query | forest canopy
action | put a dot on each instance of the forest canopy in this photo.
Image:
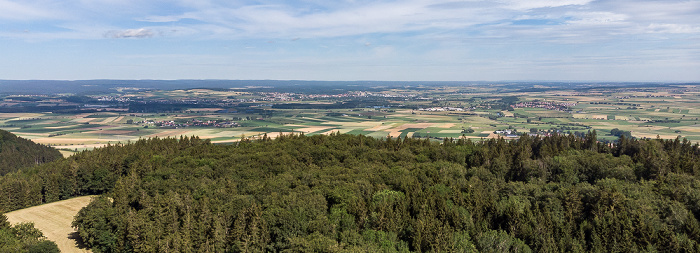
(346, 193)
(17, 152)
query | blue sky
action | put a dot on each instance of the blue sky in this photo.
(574, 40)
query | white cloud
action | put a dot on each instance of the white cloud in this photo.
(672, 28)
(596, 18)
(312, 18)
(404, 34)
(654, 10)
(130, 33)
(22, 11)
(159, 19)
(534, 4)
(376, 17)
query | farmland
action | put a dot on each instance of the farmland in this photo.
(225, 115)
(54, 221)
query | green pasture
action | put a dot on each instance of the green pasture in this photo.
(408, 130)
(377, 134)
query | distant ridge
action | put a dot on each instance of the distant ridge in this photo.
(87, 87)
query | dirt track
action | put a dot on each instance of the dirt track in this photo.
(54, 221)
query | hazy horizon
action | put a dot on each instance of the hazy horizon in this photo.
(360, 80)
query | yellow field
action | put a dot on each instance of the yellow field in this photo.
(380, 127)
(312, 129)
(396, 131)
(54, 220)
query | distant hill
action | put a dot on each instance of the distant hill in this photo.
(17, 152)
(84, 87)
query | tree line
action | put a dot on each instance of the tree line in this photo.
(346, 193)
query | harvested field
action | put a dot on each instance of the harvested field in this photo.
(491, 134)
(65, 153)
(21, 115)
(312, 129)
(74, 141)
(351, 124)
(166, 133)
(689, 129)
(54, 220)
(108, 120)
(418, 125)
(114, 132)
(380, 127)
(82, 120)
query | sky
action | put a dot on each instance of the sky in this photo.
(345, 40)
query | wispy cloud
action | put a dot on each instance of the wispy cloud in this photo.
(351, 18)
(535, 4)
(452, 34)
(14, 10)
(130, 33)
(672, 28)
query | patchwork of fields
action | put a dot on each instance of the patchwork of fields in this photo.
(645, 113)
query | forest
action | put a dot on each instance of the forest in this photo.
(17, 152)
(352, 193)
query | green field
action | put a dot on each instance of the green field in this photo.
(645, 113)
